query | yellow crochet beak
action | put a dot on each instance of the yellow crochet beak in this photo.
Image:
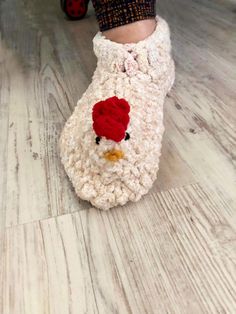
(113, 155)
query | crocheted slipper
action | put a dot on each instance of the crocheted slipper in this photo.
(110, 146)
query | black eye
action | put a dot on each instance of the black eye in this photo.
(98, 139)
(127, 136)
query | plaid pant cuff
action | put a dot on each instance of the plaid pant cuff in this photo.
(111, 14)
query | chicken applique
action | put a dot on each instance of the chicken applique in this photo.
(110, 121)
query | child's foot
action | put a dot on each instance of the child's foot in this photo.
(110, 146)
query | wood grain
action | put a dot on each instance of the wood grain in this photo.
(173, 252)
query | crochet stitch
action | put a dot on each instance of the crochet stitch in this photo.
(114, 170)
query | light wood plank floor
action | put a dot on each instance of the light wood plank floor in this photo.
(172, 252)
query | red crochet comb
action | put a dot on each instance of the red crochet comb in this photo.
(111, 118)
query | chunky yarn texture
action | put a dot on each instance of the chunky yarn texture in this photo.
(103, 171)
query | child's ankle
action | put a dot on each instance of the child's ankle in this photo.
(131, 33)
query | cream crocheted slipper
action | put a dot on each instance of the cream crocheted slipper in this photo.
(110, 146)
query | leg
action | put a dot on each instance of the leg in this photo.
(125, 21)
(110, 146)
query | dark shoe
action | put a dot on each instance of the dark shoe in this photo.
(75, 9)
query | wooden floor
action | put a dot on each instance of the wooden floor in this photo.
(172, 252)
